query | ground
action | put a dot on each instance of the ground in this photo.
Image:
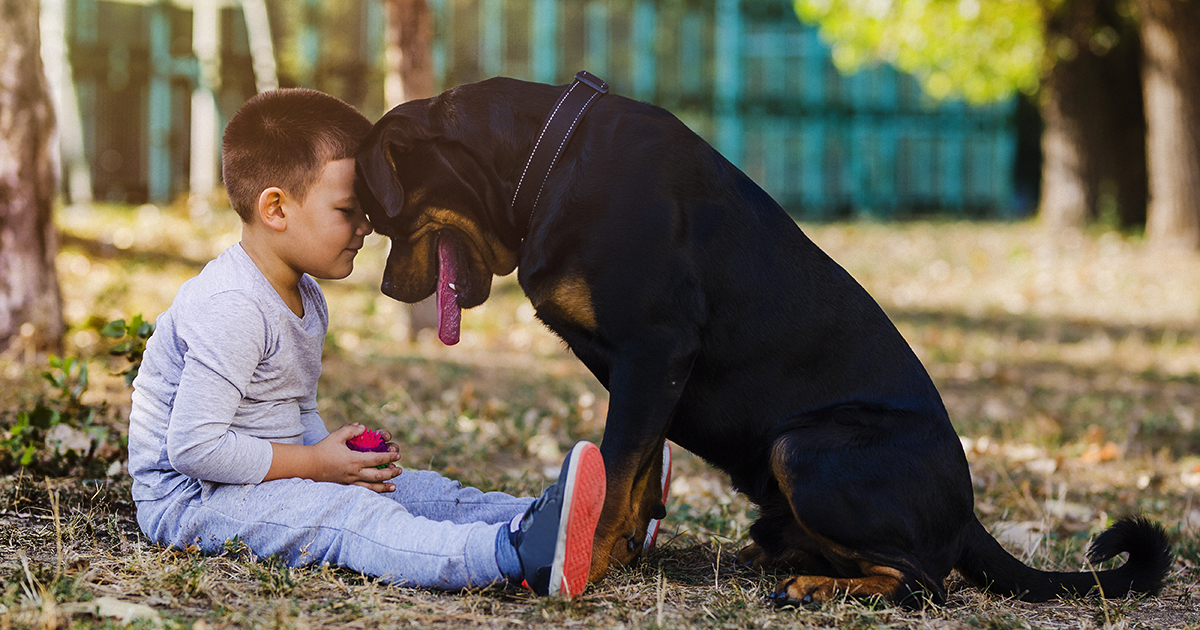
(1070, 364)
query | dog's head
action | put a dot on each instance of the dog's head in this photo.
(435, 193)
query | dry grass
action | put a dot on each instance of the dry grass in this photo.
(1070, 364)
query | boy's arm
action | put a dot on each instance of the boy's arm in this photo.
(331, 460)
(225, 340)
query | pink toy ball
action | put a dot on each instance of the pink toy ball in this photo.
(368, 442)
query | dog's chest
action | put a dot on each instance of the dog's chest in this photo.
(565, 299)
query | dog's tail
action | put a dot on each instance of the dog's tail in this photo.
(987, 565)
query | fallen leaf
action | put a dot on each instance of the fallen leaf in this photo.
(1096, 453)
(124, 612)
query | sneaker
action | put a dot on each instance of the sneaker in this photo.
(652, 529)
(554, 537)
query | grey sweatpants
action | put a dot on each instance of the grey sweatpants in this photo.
(430, 532)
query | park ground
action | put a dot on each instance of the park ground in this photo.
(1070, 364)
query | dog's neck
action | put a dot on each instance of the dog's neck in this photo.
(555, 132)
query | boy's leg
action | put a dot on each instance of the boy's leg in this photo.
(303, 522)
(553, 540)
(428, 494)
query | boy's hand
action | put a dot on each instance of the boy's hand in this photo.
(331, 460)
(353, 467)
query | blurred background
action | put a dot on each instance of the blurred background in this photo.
(154, 82)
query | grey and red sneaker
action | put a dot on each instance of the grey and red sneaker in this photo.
(554, 538)
(652, 529)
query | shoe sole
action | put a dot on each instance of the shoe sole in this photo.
(583, 500)
(652, 528)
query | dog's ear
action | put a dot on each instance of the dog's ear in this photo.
(377, 169)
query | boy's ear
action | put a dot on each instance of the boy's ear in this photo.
(270, 208)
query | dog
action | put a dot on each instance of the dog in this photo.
(713, 321)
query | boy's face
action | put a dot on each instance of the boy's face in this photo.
(329, 226)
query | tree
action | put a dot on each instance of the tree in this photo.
(409, 77)
(410, 51)
(1091, 102)
(980, 49)
(1171, 40)
(1081, 57)
(30, 302)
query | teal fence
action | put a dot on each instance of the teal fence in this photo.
(745, 74)
(135, 72)
(759, 85)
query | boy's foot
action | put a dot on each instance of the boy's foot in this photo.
(652, 529)
(554, 538)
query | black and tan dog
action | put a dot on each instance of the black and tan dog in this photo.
(715, 322)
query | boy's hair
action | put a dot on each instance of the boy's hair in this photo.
(285, 138)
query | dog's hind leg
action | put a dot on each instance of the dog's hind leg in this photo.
(871, 493)
(831, 570)
(780, 543)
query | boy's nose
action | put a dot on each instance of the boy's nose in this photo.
(364, 228)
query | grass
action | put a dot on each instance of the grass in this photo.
(1070, 365)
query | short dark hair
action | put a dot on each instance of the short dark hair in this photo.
(285, 138)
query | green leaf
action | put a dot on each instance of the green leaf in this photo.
(83, 375)
(114, 329)
(27, 456)
(43, 417)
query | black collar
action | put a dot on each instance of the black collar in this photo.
(556, 131)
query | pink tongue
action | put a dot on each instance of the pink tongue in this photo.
(449, 314)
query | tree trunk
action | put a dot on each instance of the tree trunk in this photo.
(409, 77)
(1093, 145)
(1171, 78)
(409, 51)
(30, 302)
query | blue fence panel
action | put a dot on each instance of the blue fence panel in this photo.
(747, 75)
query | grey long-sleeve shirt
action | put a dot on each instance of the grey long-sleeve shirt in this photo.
(228, 370)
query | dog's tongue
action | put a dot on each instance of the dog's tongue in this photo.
(449, 314)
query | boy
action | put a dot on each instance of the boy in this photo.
(224, 436)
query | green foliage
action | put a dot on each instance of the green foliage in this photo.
(68, 376)
(135, 333)
(28, 433)
(982, 50)
(62, 435)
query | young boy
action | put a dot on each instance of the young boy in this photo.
(225, 440)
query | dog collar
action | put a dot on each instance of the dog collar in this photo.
(556, 131)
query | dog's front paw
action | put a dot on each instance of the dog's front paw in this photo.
(626, 551)
(804, 590)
